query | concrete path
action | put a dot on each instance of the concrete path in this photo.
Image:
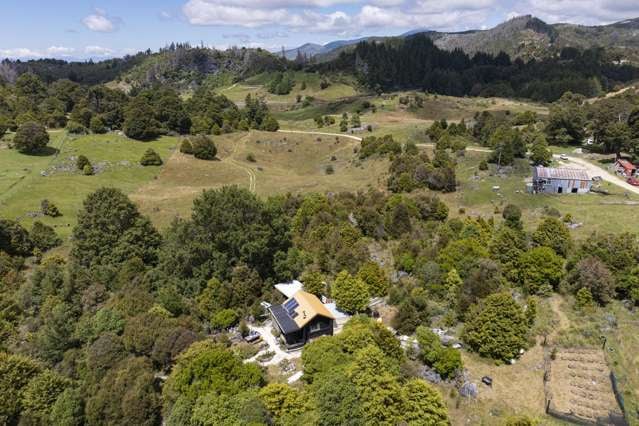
(273, 346)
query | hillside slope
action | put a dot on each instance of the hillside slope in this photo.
(526, 37)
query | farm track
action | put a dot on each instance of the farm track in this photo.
(249, 171)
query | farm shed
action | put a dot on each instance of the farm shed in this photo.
(301, 318)
(560, 181)
(625, 167)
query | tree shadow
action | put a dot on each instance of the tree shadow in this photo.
(47, 151)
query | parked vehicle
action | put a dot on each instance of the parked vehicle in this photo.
(633, 181)
(564, 157)
(488, 381)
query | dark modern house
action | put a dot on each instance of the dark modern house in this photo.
(300, 319)
(560, 181)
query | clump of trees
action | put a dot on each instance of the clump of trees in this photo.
(281, 84)
(445, 361)
(409, 171)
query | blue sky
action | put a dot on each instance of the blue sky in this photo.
(99, 29)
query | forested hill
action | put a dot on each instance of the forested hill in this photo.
(180, 65)
(525, 37)
(416, 63)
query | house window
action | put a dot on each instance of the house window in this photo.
(319, 325)
(574, 190)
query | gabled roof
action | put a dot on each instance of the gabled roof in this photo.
(298, 311)
(284, 321)
(309, 306)
(626, 164)
(561, 173)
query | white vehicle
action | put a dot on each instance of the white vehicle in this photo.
(563, 157)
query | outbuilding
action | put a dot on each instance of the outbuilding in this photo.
(625, 167)
(560, 181)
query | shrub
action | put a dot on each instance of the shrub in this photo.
(87, 170)
(224, 319)
(44, 237)
(4, 126)
(186, 147)
(81, 162)
(75, 128)
(250, 157)
(97, 125)
(49, 209)
(497, 328)
(31, 138)
(446, 361)
(351, 294)
(203, 147)
(329, 169)
(270, 124)
(151, 158)
(483, 165)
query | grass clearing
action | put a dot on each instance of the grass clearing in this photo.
(282, 163)
(22, 186)
(340, 87)
(477, 196)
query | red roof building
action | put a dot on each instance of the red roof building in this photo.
(625, 167)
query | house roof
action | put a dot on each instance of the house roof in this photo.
(289, 289)
(284, 321)
(298, 311)
(309, 306)
(626, 164)
(561, 173)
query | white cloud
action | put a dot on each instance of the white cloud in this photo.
(100, 22)
(312, 16)
(60, 51)
(98, 51)
(589, 12)
(20, 53)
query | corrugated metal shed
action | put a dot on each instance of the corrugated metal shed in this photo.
(552, 173)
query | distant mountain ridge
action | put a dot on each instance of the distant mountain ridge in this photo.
(525, 37)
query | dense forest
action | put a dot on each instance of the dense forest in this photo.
(180, 65)
(416, 63)
(141, 114)
(134, 326)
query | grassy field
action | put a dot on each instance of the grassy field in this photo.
(22, 186)
(596, 212)
(283, 163)
(391, 117)
(340, 87)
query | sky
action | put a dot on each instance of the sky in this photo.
(77, 29)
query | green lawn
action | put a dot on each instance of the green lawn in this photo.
(340, 87)
(22, 186)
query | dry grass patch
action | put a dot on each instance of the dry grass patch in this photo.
(278, 164)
